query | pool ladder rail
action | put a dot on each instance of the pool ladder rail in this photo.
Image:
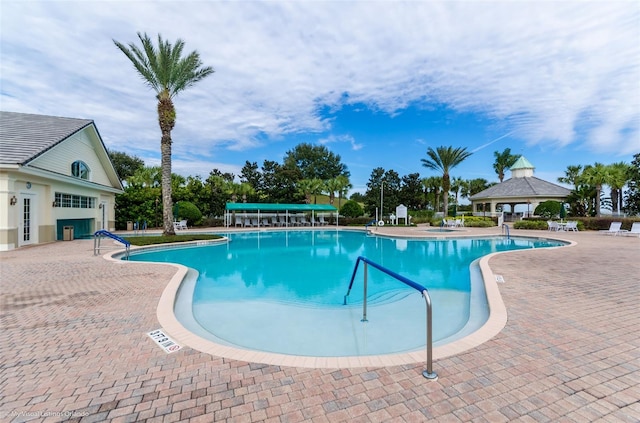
(428, 373)
(505, 228)
(97, 238)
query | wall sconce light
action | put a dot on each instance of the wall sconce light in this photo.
(13, 201)
(55, 204)
(101, 205)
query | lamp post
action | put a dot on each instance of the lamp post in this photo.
(381, 200)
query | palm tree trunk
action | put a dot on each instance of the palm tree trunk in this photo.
(166, 119)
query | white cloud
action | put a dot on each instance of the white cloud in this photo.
(551, 70)
(341, 138)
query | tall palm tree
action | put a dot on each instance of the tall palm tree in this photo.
(167, 72)
(503, 162)
(444, 159)
(343, 188)
(618, 178)
(596, 176)
(456, 185)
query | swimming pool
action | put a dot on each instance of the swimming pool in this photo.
(282, 291)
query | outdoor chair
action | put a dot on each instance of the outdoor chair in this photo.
(552, 226)
(571, 225)
(614, 229)
(635, 230)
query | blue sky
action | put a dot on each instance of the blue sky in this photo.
(375, 82)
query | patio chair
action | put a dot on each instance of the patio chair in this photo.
(255, 222)
(178, 226)
(614, 229)
(322, 221)
(303, 221)
(552, 226)
(274, 221)
(571, 225)
(635, 230)
(265, 222)
(238, 222)
(247, 222)
(282, 221)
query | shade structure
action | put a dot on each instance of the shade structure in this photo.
(260, 208)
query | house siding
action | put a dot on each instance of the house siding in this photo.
(78, 147)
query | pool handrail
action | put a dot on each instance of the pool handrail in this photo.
(504, 225)
(97, 237)
(428, 373)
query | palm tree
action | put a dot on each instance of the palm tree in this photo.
(596, 176)
(618, 178)
(343, 188)
(571, 176)
(444, 159)
(432, 186)
(503, 162)
(457, 185)
(331, 186)
(167, 72)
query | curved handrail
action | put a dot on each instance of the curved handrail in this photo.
(428, 373)
(97, 237)
(504, 225)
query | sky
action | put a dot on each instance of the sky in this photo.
(376, 82)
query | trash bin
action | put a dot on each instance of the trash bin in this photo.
(129, 225)
(67, 233)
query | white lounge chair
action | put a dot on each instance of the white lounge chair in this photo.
(178, 226)
(635, 230)
(322, 221)
(247, 223)
(265, 222)
(614, 229)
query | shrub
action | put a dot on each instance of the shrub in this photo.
(530, 224)
(351, 209)
(548, 209)
(189, 211)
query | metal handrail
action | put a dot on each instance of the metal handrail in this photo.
(504, 225)
(428, 373)
(97, 237)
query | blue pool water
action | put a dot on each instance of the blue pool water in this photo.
(282, 291)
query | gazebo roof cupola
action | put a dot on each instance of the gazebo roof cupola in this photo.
(522, 168)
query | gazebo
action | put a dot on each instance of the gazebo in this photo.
(521, 188)
(283, 212)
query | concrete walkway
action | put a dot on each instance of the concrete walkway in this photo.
(74, 347)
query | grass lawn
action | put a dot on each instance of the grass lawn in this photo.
(152, 240)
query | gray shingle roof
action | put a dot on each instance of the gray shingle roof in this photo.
(24, 137)
(523, 187)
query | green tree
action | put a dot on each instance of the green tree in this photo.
(444, 159)
(124, 164)
(432, 188)
(343, 187)
(503, 162)
(548, 209)
(315, 162)
(351, 209)
(632, 198)
(596, 176)
(167, 72)
(456, 187)
(618, 178)
(251, 175)
(411, 192)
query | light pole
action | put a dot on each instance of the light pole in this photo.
(381, 200)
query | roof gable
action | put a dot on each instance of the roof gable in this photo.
(523, 187)
(24, 137)
(51, 144)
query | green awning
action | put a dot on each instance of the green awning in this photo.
(272, 207)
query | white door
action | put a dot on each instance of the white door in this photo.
(27, 226)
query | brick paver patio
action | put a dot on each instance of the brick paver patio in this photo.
(75, 348)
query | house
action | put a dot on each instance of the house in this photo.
(56, 180)
(522, 188)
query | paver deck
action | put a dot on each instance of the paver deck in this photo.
(75, 348)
